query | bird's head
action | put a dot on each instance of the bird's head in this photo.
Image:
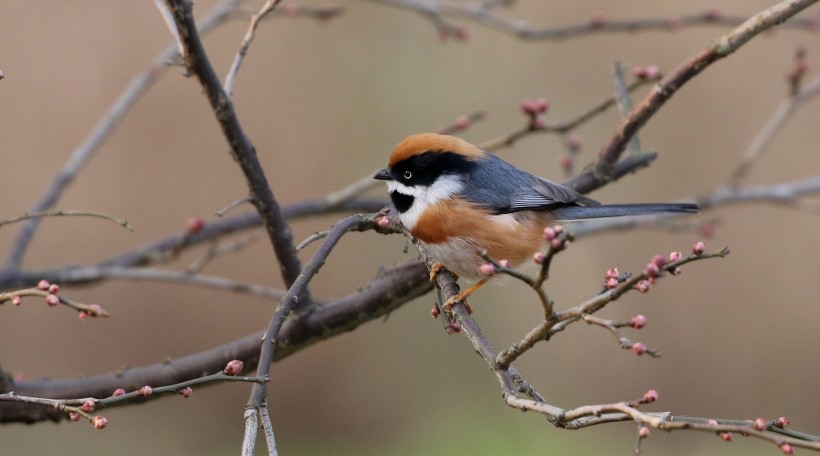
(426, 169)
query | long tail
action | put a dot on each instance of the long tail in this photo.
(620, 210)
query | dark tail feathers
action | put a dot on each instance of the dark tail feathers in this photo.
(620, 210)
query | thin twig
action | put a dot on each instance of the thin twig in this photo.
(102, 215)
(481, 13)
(105, 126)
(271, 338)
(266, 9)
(770, 129)
(669, 85)
(243, 150)
(390, 289)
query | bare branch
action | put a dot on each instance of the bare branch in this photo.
(243, 150)
(104, 128)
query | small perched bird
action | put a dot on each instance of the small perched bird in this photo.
(459, 200)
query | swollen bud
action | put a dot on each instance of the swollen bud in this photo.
(234, 367)
(638, 321)
(99, 422)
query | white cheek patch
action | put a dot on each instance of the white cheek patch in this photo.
(424, 197)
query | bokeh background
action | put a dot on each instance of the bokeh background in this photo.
(325, 102)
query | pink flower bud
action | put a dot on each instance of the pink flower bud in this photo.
(659, 261)
(638, 348)
(434, 312)
(612, 272)
(462, 122)
(540, 105)
(383, 222)
(726, 436)
(557, 244)
(643, 432)
(16, 300)
(650, 396)
(194, 225)
(487, 269)
(652, 270)
(43, 285)
(89, 406)
(611, 282)
(707, 229)
(813, 23)
(94, 310)
(461, 33)
(574, 142)
(559, 229)
(786, 449)
(73, 416)
(538, 122)
(642, 286)
(549, 233)
(234, 367)
(539, 257)
(759, 424)
(652, 72)
(698, 248)
(504, 263)
(638, 321)
(598, 19)
(53, 288)
(186, 392)
(782, 422)
(712, 422)
(675, 256)
(454, 328)
(146, 391)
(82, 315)
(100, 422)
(639, 72)
(528, 107)
(712, 14)
(118, 392)
(676, 271)
(52, 300)
(567, 162)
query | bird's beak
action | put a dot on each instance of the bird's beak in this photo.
(383, 174)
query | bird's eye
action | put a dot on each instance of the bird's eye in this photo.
(408, 175)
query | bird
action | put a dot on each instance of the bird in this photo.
(463, 203)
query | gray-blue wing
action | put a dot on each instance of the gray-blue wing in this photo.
(503, 188)
(544, 194)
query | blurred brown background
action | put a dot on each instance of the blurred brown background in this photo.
(325, 103)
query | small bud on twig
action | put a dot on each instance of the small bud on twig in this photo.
(100, 422)
(234, 367)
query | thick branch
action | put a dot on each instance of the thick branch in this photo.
(242, 149)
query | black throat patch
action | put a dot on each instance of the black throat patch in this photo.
(401, 201)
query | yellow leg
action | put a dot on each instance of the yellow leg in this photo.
(434, 271)
(462, 297)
